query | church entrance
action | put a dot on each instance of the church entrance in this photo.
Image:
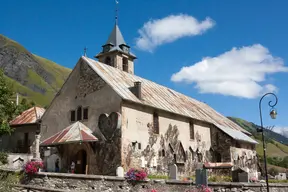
(81, 162)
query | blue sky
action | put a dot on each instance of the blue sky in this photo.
(198, 34)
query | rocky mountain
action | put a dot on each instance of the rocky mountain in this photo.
(32, 76)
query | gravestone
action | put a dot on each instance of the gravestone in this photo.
(281, 176)
(120, 172)
(201, 177)
(143, 162)
(240, 175)
(173, 172)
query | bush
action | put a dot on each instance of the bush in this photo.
(136, 175)
(7, 180)
(158, 177)
(219, 178)
(3, 158)
(273, 171)
(33, 167)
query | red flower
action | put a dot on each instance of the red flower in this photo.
(32, 167)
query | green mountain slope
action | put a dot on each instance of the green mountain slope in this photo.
(277, 148)
(252, 128)
(32, 76)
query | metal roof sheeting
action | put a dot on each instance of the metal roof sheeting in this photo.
(158, 96)
(29, 116)
(237, 135)
(73, 133)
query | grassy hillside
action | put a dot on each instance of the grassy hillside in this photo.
(252, 128)
(277, 148)
(32, 76)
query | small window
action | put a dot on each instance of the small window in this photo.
(108, 60)
(156, 123)
(125, 64)
(79, 113)
(139, 145)
(72, 115)
(85, 113)
(163, 153)
(191, 130)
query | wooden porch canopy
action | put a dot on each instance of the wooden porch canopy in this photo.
(75, 133)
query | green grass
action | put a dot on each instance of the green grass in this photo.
(272, 150)
(59, 73)
(48, 89)
(275, 147)
(12, 43)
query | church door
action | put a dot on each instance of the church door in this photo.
(81, 162)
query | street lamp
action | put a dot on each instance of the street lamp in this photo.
(273, 115)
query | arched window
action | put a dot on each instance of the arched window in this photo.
(125, 64)
(79, 113)
(108, 60)
(163, 153)
(156, 123)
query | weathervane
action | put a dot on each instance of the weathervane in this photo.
(85, 51)
(116, 12)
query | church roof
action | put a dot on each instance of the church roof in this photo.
(29, 116)
(239, 136)
(116, 37)
(74, 133)
(158, 96)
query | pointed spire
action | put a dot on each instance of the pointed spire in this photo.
(116, 37)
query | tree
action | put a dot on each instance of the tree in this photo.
(8, 108)
(24, 105)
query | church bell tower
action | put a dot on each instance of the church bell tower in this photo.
(116, 52)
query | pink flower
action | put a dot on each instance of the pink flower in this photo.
(32, 167)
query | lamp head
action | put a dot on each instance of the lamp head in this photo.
(273, 113)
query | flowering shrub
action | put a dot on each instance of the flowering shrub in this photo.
(253, 179)
(136, 175)
(32, 167)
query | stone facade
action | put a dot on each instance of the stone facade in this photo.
(86, 89)
(117, 60)
(141, 147)
(83, 88)
(79, 183)
(21, 139)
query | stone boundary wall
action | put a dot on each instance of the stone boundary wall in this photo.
(98, 183)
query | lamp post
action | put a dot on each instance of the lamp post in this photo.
(273, 115)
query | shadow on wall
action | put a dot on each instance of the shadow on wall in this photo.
(171, 151)
(108, 150)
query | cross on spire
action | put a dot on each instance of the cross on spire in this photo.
(116, 12)
(85, 51)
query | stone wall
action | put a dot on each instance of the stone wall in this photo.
(141, 147)
(83, 88)
(79, 183)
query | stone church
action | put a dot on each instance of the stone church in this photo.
(105, 116)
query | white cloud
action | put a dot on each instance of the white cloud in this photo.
(166, 30)
(239, 72)
(281, 130)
